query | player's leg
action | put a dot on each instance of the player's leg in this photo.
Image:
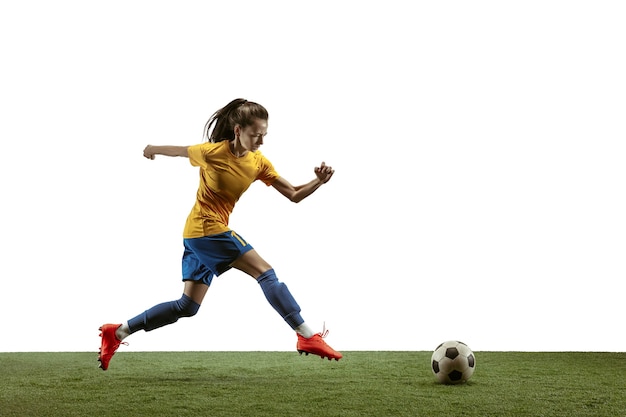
(167, 313)
(197, 278)
(229, 250)
(284, 303)
(158, 316)
(275, 291)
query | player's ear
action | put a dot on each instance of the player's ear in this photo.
(237, 130)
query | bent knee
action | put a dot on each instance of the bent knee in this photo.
(190, 311)
(187, 307)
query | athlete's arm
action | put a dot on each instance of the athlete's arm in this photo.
(151, 151)
(323, 174)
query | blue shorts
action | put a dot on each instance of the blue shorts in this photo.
(209, 256)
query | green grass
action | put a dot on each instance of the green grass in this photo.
(285, 384)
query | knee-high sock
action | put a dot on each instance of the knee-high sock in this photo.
(280, 298)
(163, 314)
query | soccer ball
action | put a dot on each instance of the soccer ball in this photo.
(453, 362)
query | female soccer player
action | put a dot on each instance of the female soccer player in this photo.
(229, 162)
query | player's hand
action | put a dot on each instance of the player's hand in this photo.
(148, 152)
(324, 172)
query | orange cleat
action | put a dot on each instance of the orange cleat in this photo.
(317, 346)
(109, 345)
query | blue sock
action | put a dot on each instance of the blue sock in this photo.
(280, 298)
(163, 314)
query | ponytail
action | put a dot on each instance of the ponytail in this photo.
(238, 112)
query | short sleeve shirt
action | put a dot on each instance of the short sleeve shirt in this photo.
(223, 179)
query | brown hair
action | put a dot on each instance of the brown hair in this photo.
(238, 112)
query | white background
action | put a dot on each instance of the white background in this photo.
(479, 149)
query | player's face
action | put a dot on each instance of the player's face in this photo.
(251, 137)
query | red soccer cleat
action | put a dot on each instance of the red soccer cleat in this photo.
(109, 345)
(317, 346)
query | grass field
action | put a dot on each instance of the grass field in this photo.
(285, 384)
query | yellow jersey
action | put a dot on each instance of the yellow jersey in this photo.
(223, 179)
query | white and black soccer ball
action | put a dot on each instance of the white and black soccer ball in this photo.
(453, 362)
